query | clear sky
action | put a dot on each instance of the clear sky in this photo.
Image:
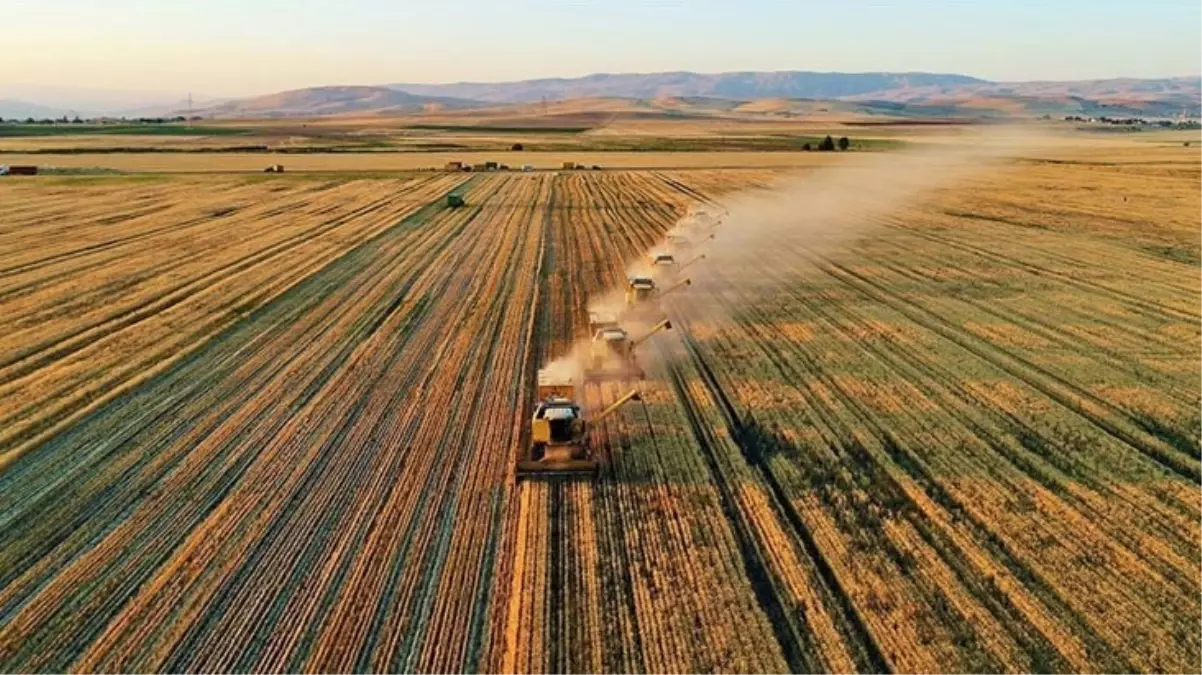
(240, 47)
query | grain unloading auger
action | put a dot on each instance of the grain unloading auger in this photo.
(559, 433)
(612, 355)
(690, 263)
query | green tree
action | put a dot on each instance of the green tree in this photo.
(827, 144)
(844, 143)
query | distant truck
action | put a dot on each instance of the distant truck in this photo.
(18, 170)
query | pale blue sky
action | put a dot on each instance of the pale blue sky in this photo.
(237, 47)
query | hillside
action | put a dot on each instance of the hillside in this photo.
(1126, 96)
(17, 109)
(315, 101)
(749, 93)
(739, 86)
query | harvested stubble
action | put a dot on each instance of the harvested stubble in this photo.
(269, 426)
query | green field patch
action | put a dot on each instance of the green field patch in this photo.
(468, 128)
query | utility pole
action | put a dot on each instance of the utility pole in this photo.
(189, 104)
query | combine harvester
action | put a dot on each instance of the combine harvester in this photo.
(706, 216)
(559, 433)
(598, 320)
(663, 262)
(612, 357)
(643, 296)
(666, 265)
(681, 242)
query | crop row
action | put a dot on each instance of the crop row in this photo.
(981, 503)
(104, 305)
(319, 486)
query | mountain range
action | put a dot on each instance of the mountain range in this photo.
(738, 86)
(919, 94)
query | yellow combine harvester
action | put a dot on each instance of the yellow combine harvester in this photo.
(601, 320)
(663, 262)
(642, 293)
(559, 443)
(682, 241)
(611, 354)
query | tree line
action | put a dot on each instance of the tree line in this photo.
(829, 144)
(100, 120)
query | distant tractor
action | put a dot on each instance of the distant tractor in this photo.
(490, 166)
(454, 166)
(455, 200)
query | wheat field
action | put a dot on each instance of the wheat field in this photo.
(268, 423)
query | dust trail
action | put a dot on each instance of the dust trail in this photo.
(755, 249)
(826, 211)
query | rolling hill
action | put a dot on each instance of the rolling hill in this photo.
(317, 101)
(738, 86)
(18, 109)
(786, 93)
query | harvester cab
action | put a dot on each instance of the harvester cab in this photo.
(639, 290)
(455, 200)
(559, 433)
(612, 355)
(664, 266)
(663, 261)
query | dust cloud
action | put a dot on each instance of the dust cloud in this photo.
(768, 236)
(761, 239)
